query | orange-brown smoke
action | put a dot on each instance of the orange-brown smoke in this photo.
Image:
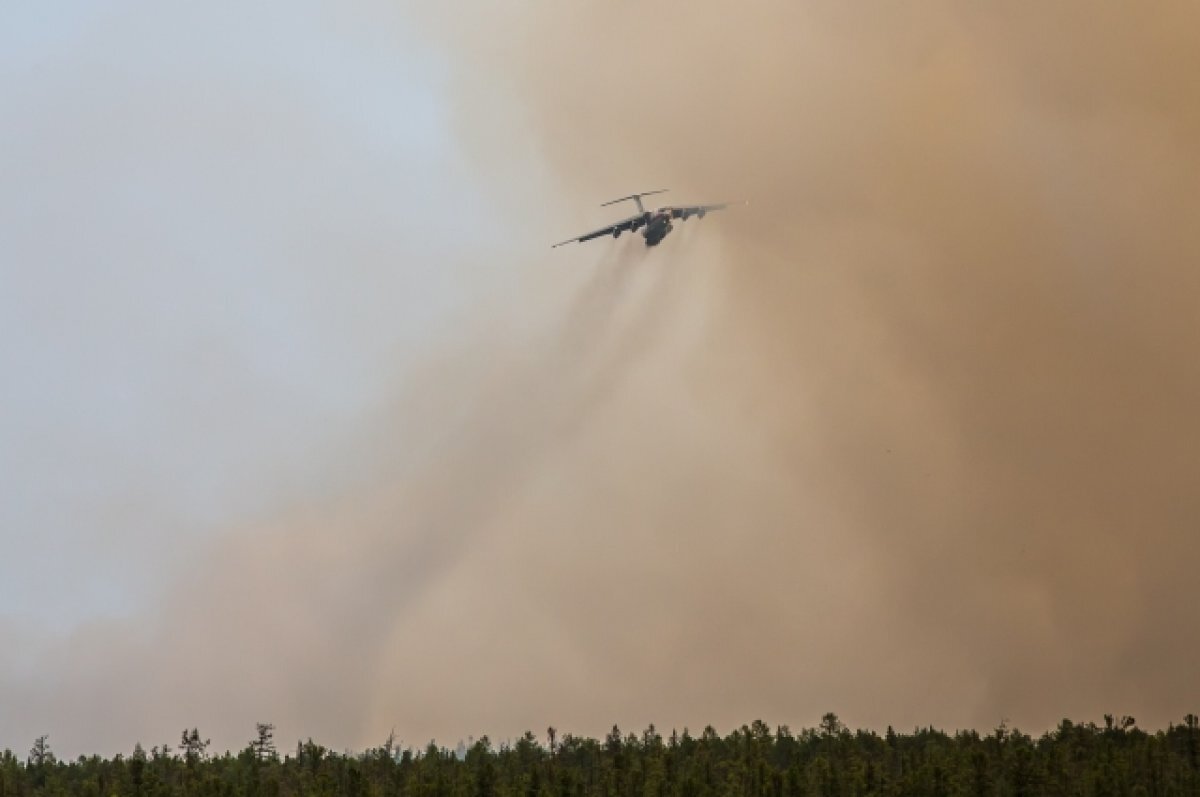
(931, 454)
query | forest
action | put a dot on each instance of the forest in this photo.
(830, 760)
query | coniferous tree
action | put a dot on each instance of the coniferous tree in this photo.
(41, 758)
(264, 745)
(137, 769)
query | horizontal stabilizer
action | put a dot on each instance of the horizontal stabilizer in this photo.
(635, 196)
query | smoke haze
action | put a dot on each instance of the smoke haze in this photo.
(911, 438)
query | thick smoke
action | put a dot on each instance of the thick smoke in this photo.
(910, 438)
(932, 453)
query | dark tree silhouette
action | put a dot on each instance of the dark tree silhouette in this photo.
(1084, 759)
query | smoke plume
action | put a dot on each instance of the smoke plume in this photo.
(911, 437)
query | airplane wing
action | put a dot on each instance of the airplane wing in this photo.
(699, 210)
(617, 228)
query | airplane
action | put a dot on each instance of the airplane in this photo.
(654, 224)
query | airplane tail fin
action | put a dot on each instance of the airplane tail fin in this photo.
(636, 198)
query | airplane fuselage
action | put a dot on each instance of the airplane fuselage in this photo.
(657, 226)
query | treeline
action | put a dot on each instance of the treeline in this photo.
(1116, 758)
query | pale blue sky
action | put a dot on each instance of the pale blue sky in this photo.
(220, 227)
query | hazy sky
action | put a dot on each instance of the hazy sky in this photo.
(216, 246)
(303, 421)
